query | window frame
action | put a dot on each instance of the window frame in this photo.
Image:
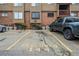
(74, 14)
(60, 20)
(52, 14)
(4, 13)
(18, 15)
(35, 4)
(38, 17)
(18, 4)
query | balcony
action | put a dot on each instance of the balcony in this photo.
(64, 12)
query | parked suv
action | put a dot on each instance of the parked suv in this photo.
(2, 28)
(69, 26)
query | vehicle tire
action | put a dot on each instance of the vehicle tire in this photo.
(3, 29)
(68, 34)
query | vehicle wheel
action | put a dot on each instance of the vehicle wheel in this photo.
(68, 34)
(3, 29)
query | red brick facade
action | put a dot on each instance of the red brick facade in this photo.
(7, 20)
(27, 19)
(27, 9)
(47, 20)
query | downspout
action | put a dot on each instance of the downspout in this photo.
(24, 17)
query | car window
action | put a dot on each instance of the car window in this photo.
(60, 20)
(68, 20)
(72, 20)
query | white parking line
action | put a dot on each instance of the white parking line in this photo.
(60, 42)
(46, 49)
(18, 40)
(37, 49)
(30, 49)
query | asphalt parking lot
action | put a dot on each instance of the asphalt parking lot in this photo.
(72, 44)
(7, 38)
(36, 43)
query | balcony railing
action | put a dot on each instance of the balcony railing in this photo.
(64, 12)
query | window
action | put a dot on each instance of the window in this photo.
(50, 14)
(35, 4)
(63, 7)
(35, 15)
(74, 3)
(49, 3)
(68, 20)
(1, 3)
(60, 20)
(18, 4)
(18, 15)
(4, 14)
(72, 20)
(73, 14)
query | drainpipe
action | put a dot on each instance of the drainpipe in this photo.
(43, 26)
(41, 14)
(30, 17)
(24, 16)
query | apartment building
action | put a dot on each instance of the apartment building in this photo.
(30, 14)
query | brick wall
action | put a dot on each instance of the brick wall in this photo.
(10, 15)
(27, 19)
(47, 20)
(8, 20)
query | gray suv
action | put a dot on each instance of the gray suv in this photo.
(2, 28)
(69, 26)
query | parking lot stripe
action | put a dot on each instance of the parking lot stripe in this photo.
(37, 49)
(18, 40)
(30, 49)
(60, 42)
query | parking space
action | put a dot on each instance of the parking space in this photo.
(72, 44)
(31, 42)
(9, 37)
(36, 42)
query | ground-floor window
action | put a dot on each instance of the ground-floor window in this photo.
(35, 4)
(18, 4)
(74, 14)
(18, 15)
(35, 15)
(4, 14)
(50, 14)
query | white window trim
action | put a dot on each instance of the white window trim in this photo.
(35, 4)
(18, 4)
(49, 3)
(18, 15)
